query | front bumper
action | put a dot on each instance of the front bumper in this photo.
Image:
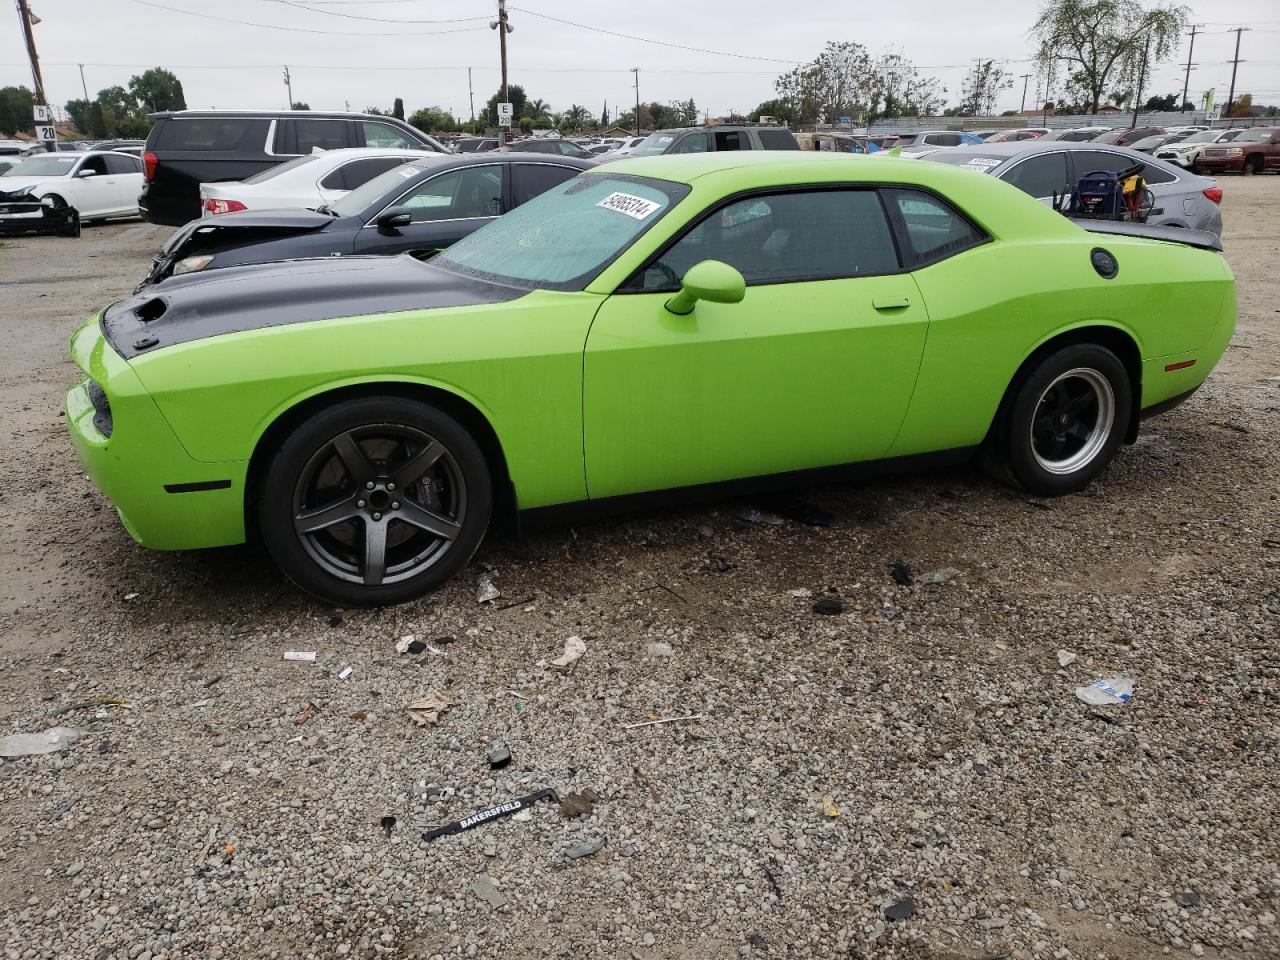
(166, 499)
(27, 214)
(1221, 164)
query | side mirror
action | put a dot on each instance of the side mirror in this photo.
(710, 280)
(393, 218)
(87, 173)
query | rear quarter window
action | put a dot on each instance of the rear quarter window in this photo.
(777, 140)
(208, 133)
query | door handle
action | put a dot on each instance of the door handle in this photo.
(891, 303)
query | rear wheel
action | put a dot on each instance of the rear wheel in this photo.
(1063, 423)
(1251, 166)
(375, 501)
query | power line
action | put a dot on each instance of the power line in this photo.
(272, 26)
(355, 16)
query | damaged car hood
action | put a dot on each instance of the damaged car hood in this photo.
(236, 299)
(271, 221)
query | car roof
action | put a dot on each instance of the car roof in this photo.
(1011, 148)
(328, 114)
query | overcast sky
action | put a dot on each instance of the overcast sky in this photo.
(338, 58)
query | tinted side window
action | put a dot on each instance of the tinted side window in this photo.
(731, 140)
(98, 164)
(121, 164)
(461, 194)
(325, 134)
(1086, 161)
(531, 179)
(359, 172)
(933, 229)
(811, 235)
(692, 143)
(777, 140)
(384, 135)
(1040, 176)
(214, 133)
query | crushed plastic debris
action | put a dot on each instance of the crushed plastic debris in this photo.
(306, 656)
(34, 744)
(486, 592)
(1109, 691)
(902, 910)
(585, 849)
(346, 672)
(578, 804)
(490, 813)
(935, 577)
(425, 711)
(499, 755)
(574, 647)
(132, 596)
(402, 645)
(1066, 658)
(307, 714)
(488, 891)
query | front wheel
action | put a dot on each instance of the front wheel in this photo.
(374, 501)
(1065, 420)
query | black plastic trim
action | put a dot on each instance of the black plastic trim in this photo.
(1164, 406)
(840, 473)
(197, 486)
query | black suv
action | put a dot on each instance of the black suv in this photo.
(716, 136)
(189, 147)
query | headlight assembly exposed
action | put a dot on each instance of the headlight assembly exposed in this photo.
(192, 264)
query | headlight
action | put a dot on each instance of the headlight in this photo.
(192, 264)
(1234, 152)
(46, 201)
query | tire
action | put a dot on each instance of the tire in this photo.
(1063, 422)
(1251, 166)
(58, 203)
(356, 469)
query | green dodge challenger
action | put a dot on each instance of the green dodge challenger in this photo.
(653, 325)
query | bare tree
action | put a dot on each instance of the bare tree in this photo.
(1105, 41)
(981, 86)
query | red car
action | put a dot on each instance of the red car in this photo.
(1253, 151)
(1009, 136)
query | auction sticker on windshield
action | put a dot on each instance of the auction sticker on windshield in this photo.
(981, 164)
(638, 208)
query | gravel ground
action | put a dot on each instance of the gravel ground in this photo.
(924, 745)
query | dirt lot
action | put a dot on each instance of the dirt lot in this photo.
(209, 812)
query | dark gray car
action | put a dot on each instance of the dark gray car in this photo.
(1049, 168)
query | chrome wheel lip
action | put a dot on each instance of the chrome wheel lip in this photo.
(1104, 420)
(433, 549)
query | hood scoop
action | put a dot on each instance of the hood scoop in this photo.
(151, 310)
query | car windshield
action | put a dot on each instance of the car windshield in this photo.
(978, 160)
(1203, 136)
(654, 144)
(49, 165)
(563, 238)
(280, 168)
(1256, 135)
(364, 196)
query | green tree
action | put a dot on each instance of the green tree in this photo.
(535, 110)
(900, 90)
(15, 109)
(118, 115)
(299, 105)
(575, 118)
(518, 101)
(78, 111)
(1168, 102)
(1242, 107)
(1101, 42)
(839, 82)
(780, 110)
(982, 84)
(433, 119)
(157, 89)
(397, 109)
(375, 111)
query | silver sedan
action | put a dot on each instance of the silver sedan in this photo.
(1049, 168)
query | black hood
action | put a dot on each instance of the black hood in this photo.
(196, 306)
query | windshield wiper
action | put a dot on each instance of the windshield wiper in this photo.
(324, 208)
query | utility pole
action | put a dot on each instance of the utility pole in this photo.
(1142, 73)
(503, 29)
(1237, 62)
(24, 14)
(1026, 78)
(1186, 83)
(83, 85)
(288, 82)
(636, 71)
(472, 94)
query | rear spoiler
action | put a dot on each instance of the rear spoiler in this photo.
(1201, 239)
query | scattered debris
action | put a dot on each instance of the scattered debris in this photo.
(649, 723)
(574, 647)
(335, 621)
(499, 755)
(307, 656)
(585, 849)
(490, 813)
(795, 509)
(387, 824)
(33, 744)
(579, 804)
(935, 577)
(1109, 691)
(659, 650)
(201, 703)
(425, 711)
(488, 891)
(360, 715)
(346, 672)
(902, 910)
(828, 606)
(1187, 898)
(307, 714)
(829, 808)
(1066, 658)
(757, 516)
(402, 645)
(129, 597)
(901, 573)
(419, 645)
(486, 592)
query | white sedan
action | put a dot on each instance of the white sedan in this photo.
(306, 182)
(98, 184)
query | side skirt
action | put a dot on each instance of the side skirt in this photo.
(563, 513)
